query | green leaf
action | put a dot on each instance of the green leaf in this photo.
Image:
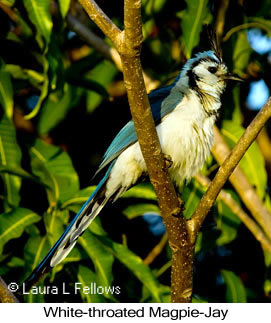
(153, 6)
(100, 257)
(227, 222)
(135, 264)
(87, 277)
(10, 154)
(193, 18)
(39, 14)
(54, 224)
(35, 250)
(12, 224)
(164, 291)
(237, 116)
(8, 3)
(54, 168)
(16, 262)
(241, 53)
(191, 195)
(17, 72)
(135, 210)
(64, 6)
(44, 89)
(252, 163)
(78, 199)
(6, 93)
(20, 172)
(141, 191)
(235, 290)
(102, 74)
(56, 108)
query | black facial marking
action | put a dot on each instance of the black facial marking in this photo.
(208, 59)
(192, 78)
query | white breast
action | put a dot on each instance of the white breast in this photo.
(186, 134)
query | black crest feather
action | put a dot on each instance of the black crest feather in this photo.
(211, 34)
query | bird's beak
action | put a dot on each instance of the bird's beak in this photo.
(233, 77)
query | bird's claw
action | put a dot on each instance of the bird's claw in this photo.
(167, 161)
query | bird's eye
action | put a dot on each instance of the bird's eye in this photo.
(212, 69)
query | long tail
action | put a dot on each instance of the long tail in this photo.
(76, 228)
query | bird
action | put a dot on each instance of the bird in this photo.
(184, 113)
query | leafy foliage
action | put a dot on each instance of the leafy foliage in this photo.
(61, 104)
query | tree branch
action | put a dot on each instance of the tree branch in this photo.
(5, 295)
(227, 168)
(102, 21)
(242, 186)
(240, 213)
(128, 46)
(156, 250)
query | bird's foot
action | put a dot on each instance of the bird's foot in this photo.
(167, 161)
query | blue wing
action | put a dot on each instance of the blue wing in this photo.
(127, 135)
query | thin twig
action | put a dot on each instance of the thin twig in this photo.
(156, 250)
(244, 26)
(220, 18)
(102, 47)
(227, 168)
(93, 40)
(245, 190)
(240, 213)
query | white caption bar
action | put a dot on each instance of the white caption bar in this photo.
(136, 312)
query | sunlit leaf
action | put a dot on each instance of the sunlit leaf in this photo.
(6, 93)
(252, 163)
(54, 224)
(35, 250)
(9, 3)
(17, 72)
(12, 224)
(235, 290)
(64, 7)
(44, 89)
(39, 14)
(192, 20)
